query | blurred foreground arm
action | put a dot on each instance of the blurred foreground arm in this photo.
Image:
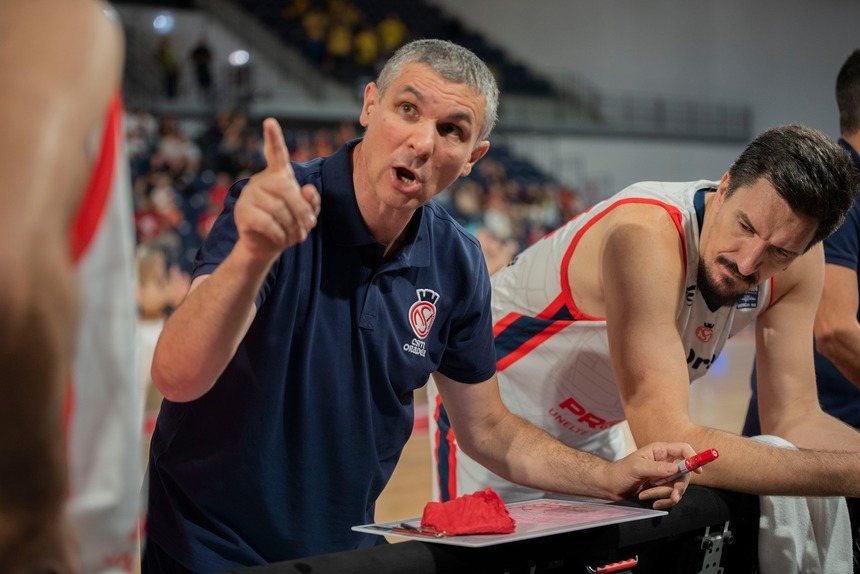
(60, 65)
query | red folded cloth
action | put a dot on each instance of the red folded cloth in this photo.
(483, 512)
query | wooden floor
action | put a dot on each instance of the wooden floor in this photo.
(718, 400)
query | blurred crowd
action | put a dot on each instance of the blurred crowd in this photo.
(182, 172)
(341, 38)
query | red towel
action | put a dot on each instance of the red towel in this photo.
(483, 512)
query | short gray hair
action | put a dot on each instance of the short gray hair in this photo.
(452, 62)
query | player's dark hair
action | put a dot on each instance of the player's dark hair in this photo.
(811, 172)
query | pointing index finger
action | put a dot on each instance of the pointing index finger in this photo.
(274, 149)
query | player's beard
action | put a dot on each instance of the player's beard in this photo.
(723, 293)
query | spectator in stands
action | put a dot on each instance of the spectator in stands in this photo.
(497, 252)
(497, 213)
(338, 47)
(345, 132)
(288, 371)
(147, 219)
(392, 34)
(144, 121)
(168, 66)
(69, 413)
(250, 156)
(366, 52)
(201, 59)
(315, 26)
(322, 143)
(303, 150)
(295, 10)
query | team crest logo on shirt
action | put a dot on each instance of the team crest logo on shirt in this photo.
(749, 300)
(422, 313)
(705, 332)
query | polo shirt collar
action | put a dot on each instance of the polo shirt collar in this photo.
(345, 222)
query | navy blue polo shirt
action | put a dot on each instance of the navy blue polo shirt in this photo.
(837, 395)
(299, 436)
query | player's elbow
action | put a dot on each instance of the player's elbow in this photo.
(671, 428)
(828, 340)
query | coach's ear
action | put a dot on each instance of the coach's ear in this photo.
(371, 93)
(477, 153)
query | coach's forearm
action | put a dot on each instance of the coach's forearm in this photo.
(522, 453)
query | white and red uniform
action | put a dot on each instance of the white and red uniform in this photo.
(105, 405)
(553, 361)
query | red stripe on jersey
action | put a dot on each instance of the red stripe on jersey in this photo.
(551, 309)
(673, 212)
(530, 345)
(503, 323)
(92, 206)
(447, 472)
(772, 282)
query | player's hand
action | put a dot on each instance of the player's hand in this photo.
(273, 212)
(633, 474)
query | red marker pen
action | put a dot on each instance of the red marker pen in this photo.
(690, 464)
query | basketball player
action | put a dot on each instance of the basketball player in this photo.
(613, 315)
(69, 412)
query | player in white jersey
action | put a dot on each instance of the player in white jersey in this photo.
(70, 414)
(105, 400)
(540, 329)
(613, 315)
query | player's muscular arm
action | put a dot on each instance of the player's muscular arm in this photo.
(642, 275)
(650, 367)
(788, 400)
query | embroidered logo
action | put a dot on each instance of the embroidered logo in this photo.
(422, 313)
(749, 300)
(705, 332)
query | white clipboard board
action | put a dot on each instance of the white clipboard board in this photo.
(534, 518)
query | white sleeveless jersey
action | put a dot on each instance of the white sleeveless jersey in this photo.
(104, 415)
(553, 361)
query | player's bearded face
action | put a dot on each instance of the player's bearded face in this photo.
(721, 283)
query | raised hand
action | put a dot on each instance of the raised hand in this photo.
(273, 212)
(634, 474)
